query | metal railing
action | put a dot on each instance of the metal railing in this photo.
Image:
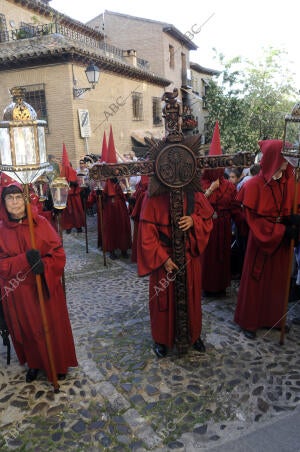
(33, 31)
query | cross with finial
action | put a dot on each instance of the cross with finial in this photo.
(174, 166)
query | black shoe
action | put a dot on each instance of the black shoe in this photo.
(61, 376)
(124, 254)
(68, 231)
(199, 346)
(78, 229)
(113, 255)
(249, 334)
(160, 350)
(31, 375)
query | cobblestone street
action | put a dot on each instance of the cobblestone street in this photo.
(121, 397)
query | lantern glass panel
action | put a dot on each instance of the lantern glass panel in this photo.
(42, 144)
(25, 176)
(59, 197)
(24, 145)
(5, 153)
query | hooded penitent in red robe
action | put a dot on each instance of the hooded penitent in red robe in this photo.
(264, 279)
(140, 191)
(116, 221)
(216, 274)
(20, 298)
(154, 250)
(73, 215)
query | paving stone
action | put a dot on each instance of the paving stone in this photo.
(121, 397)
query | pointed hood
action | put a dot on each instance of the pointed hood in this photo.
(66, 169)
(104, 152)
(215, 146)
(272, 157)
(111, 158)
(112, 154)
(65, 158)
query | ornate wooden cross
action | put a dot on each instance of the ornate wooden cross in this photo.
(174, 166)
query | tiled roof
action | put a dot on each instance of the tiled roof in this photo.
(203, 70)
(56, 47)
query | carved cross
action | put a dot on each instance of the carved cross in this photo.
(174, 166)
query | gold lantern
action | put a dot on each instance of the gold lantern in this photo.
(22, 140)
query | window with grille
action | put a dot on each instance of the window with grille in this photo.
(156, 111)
(137, 106)
(35, 96)
(3, 29)
(205, 83)
(172, 56)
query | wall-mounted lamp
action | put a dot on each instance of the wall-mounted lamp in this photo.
(92, 73)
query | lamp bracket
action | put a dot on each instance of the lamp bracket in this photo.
(78, 91)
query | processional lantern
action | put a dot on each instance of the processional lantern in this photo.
(59, 188)
(41, 187)
(22, 140)
(81, 180)
(23, 157)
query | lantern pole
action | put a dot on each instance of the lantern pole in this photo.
(59, 189)
(58, 216)
(99, 200)
(40, 293)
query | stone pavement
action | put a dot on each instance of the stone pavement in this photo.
(122, 398)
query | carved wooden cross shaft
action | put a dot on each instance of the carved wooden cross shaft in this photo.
(174, 166)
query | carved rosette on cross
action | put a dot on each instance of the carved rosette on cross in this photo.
(174, 166)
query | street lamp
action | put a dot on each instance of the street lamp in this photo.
(92, 73)
(23, 157)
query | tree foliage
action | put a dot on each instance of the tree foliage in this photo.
(250, 100)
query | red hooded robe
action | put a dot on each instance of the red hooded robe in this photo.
(264, 279)
(140, 192)
(73, 215)
(154, 252)
(116, 220)
(20, 298)
(216, 274)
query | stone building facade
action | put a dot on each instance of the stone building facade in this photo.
(47, 53)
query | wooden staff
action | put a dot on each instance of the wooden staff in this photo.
(85, 222)
(41, 295)
(61, 236)
(99, 199)
(290, 265)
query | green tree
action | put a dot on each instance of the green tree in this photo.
(250, 100)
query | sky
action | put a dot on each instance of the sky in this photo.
(232, 27)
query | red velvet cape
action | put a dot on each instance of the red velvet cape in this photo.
(20, 299)
(116, 220)
(216, 273)
(153, 253)
(262, 290)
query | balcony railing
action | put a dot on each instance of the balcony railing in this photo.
(33, 31)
